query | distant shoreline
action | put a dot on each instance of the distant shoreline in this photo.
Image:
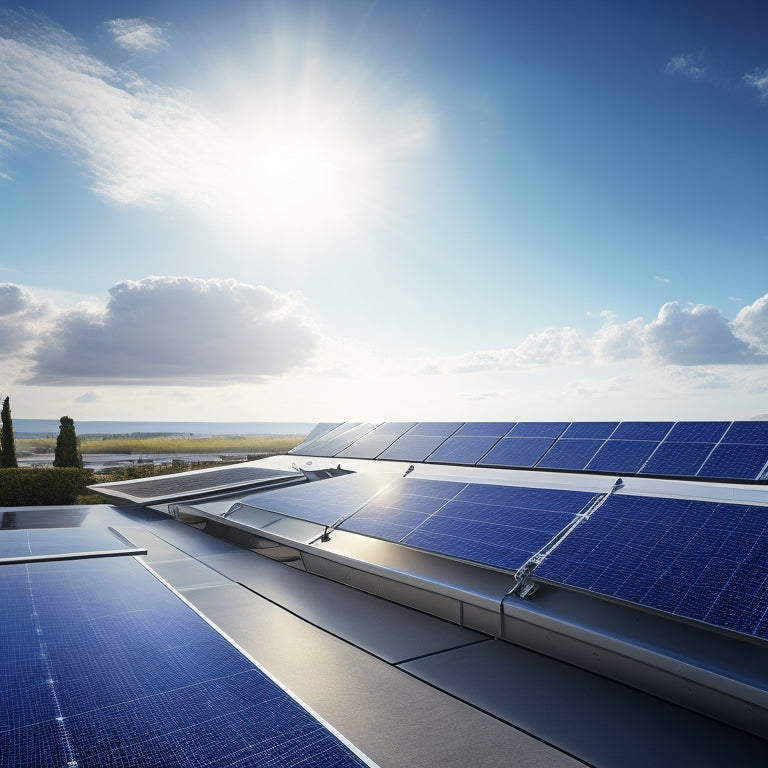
(39, 427)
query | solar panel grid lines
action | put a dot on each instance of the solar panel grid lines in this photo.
(370, 445)
(654, 431)
(460, 449)
(735, 461)
(622, 456)
(593, 430)
(570, 453)
(522, 452)
(701, 561)
(164, 689)
(485, 429)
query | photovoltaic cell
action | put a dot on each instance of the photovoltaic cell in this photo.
(642, 430)
(412, 447)
(699, 560)
(516, 452)
(590, 429)
(317, 431)
(485, 428)
(677, 459)
(749, 432)
(322, 501)
(621, 456)
(57, 541)
(735, 461)
(104, 666)
(538, 429)
(570, 454)
(435, 428)
(335, 440)
(697, 431)
(461, 449)
(376, 441)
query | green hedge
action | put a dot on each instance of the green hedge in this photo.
(43, 486)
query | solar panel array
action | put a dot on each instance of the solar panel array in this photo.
(103, 665)
(714, 450)
(495, 525)
(698, 560)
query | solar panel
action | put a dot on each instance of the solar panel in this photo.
(377, 440)
(412, 447)
(621, 456)
(751, 432)
(516, 452)
(677, 459)
(538, 429)
(435, 428)
(591, 429)
(57, 541)
(500, 526)
(322, 501)
(331, 445)
(735, 461)
(698, 560)
(104, 666)
(697, 431)
(317, 431)
(485, 428)
(642, 430)
(460, 449)
(570, 454)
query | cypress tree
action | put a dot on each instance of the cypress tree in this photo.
(7, 444)
(67, 453)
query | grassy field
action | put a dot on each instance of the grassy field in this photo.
(238, 444)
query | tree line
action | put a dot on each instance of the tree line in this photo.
(67, 453)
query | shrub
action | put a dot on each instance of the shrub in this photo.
(43, 486)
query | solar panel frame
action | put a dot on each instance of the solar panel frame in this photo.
(57, 541)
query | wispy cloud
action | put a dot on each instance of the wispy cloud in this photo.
(302, 159)
(758, 80)
(687, 65)
(137, 35)
(661, 279)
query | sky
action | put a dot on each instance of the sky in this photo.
(368, 211)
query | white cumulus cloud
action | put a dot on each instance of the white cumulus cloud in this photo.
(758, 80)
(687, 65)
(176, 330)
(136, 35)
(22, 318)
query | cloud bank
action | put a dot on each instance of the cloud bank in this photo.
(176, 330)
(680, 335)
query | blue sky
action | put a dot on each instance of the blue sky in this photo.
(351, 210)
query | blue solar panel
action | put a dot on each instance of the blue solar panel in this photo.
(697, 431)
(412, 447)
(501, 526)
(538, 429)
(104, 666)
(330, 445)
(752, 432)
(317, 431)
(462, 450)
(642, 430)
(677, 459)
(486, 428)
(334, 436)
(735, 461)
(591, 429)
(377, 440)
(698, 560)
(435, 428)
(621, 456)
(516, 452)
(322, 501)
(57, 541)
(570, 454)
